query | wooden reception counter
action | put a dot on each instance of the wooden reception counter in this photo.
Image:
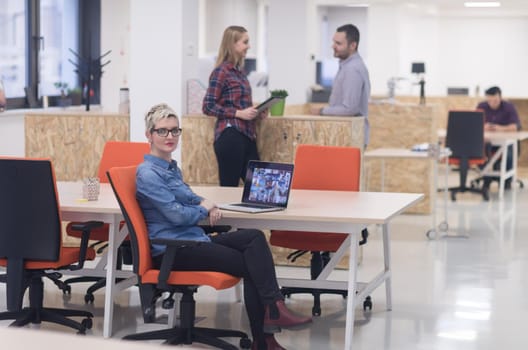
(277, 139)
(401, 125)
(73, 139)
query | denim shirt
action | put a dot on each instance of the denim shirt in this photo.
(171, 209)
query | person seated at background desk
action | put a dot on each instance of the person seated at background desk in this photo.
(172, 210)
(351, 86)
(500, 115)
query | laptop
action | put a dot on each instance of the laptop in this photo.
(266, 188)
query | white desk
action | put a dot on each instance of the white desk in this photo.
(104, 209)
(398, 153)
(503, 139)
(328, 211)
(325, 211)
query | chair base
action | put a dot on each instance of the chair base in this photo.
(316, 308)
(186, 332)
(208, 336)
(60, 316)
(482, 191)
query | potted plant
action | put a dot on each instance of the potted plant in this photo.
(278, 108)
(63, 101)
(76, 96)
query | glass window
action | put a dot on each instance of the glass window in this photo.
(58, 29)
(13, 47)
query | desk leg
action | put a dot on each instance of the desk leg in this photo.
(502, 176)
(514, 163)
(386, 259)
(352, 281)
(110, 277)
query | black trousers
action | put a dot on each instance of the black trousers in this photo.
(233, 152)
(242, 253)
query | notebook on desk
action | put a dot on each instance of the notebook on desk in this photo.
(266, 188)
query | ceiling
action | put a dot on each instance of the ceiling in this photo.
(509, 8)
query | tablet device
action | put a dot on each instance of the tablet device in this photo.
(268, 103)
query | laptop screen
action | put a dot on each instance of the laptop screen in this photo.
(268, 183)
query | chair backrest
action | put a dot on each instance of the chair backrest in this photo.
(465, 134)
(123, 181)
(30, 225)
(119, 154)
(328, 168)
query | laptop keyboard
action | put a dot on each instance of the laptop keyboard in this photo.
(246, 205)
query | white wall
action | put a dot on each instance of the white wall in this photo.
(467, 51)
(291, 66)
(115, 36)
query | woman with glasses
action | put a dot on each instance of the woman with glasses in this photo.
(228, 98)
(172, 210)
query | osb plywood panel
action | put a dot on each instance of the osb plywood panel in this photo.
(522, 109)
(73, 142)
(198, 158)
(402, 126)
(277, 138)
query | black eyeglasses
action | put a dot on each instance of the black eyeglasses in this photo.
(164, 132)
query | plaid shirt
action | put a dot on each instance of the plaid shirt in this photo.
(229, 91)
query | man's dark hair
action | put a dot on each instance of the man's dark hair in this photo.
(494, 90)
(351, 31)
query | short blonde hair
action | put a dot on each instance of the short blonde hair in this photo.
(156, 113)
(226, 52)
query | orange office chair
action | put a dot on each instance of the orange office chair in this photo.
(115, 153)
(320, 168)
(153, 282)
(31, 242)
(465, 139)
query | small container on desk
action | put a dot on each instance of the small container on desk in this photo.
(91, 187)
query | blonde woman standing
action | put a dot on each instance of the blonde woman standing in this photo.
(228, 98)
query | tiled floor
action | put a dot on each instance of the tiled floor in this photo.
(450, 293)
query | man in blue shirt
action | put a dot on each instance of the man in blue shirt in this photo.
(351, 86)
(499, 115)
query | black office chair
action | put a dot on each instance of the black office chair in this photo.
(31, 242)
(465, 139)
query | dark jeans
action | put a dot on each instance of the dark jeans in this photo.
(242, 253)
(233, 152)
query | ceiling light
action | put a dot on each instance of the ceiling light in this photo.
(482, 4)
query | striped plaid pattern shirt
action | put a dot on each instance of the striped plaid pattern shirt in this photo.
(229, 91)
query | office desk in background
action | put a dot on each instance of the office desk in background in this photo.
(437, 156)
(502, 139)
(328, 211)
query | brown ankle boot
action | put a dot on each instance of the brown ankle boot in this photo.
(278, 314)
(271, 343)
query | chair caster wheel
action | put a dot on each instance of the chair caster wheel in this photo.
(245, 343)
(87, 323)
(367, 304)
(168, 304)
(485, 195)
(431, 234)
(66, 290)
(89, 298)
(316, 311)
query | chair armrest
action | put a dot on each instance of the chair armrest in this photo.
(168, 257)
(85, 228)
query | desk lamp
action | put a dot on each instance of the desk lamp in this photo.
(419, 68)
